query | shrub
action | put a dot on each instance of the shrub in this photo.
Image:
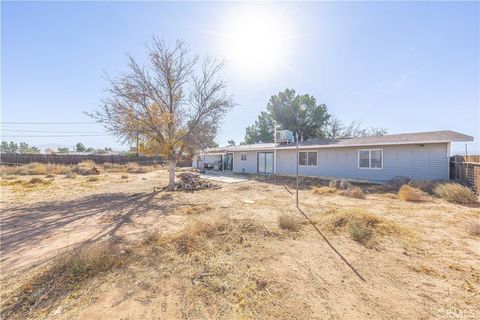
(359, 233)
(124, 176)
(409, 193)
(427, 186)
(324, 190)
(473, 228)
(454, 192)
(288, 222)
(355, 192)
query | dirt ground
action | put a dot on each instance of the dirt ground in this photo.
(265, 273)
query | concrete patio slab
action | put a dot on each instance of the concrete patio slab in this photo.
(224, 178)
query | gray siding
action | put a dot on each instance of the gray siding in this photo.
(428, 162)
(246, 166)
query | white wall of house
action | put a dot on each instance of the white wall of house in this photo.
(245, 166)
(427, 162)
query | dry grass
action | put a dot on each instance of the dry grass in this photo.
(363, 226)
(71, 175)
(288, 222)
(473, 228)
(83, 168)
(354, 192)
(324, 190)
(124, 176)
(60, 277)
(37, 180)
(409, 193)
(454, 192)
(427, 186)
(195, 209)
(35, 169)
(93, 179)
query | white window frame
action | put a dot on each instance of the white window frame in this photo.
(369, 159)
(307, 165)
(241, 156)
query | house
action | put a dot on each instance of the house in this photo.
(420, 156)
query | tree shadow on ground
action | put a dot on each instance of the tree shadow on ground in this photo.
(25, 225)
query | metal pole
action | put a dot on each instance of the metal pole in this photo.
(297, 164)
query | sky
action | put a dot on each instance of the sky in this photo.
(403, 66)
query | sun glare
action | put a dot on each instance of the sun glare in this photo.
(256, 41)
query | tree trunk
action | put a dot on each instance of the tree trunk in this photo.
(171, 174)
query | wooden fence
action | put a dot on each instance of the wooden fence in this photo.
(66, 159)
(466, 169)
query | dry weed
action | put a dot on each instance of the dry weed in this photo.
(324, 190)
(60, 277)
(454, 192)
(363, 226)
(93, 179)
(124, 176)
(196, 209)
(409, 193)
(354, 192)
(288, 222)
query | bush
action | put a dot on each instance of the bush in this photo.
(409, 193)
(454, 192)
(355, 192)
(324, 190)
(427, 186)
(359, 233)
(288, 222)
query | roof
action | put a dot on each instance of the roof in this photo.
(391, 139)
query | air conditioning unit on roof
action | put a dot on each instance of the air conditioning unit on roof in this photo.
(283, 136)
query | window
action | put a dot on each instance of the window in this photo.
(243, 156)
(307, 158)
(370, 159)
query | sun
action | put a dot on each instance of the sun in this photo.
(257, 41)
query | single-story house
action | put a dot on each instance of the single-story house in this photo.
(420, 156)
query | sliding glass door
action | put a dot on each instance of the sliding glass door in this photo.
(265, 162)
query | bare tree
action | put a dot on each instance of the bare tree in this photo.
(172, 104)
(336, 129)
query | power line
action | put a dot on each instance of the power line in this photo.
(46, 131)
(54, 136)
(10, 122)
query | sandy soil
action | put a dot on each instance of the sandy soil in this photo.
(292, 275)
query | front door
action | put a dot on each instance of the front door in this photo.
(228, 162)
(265, 162)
